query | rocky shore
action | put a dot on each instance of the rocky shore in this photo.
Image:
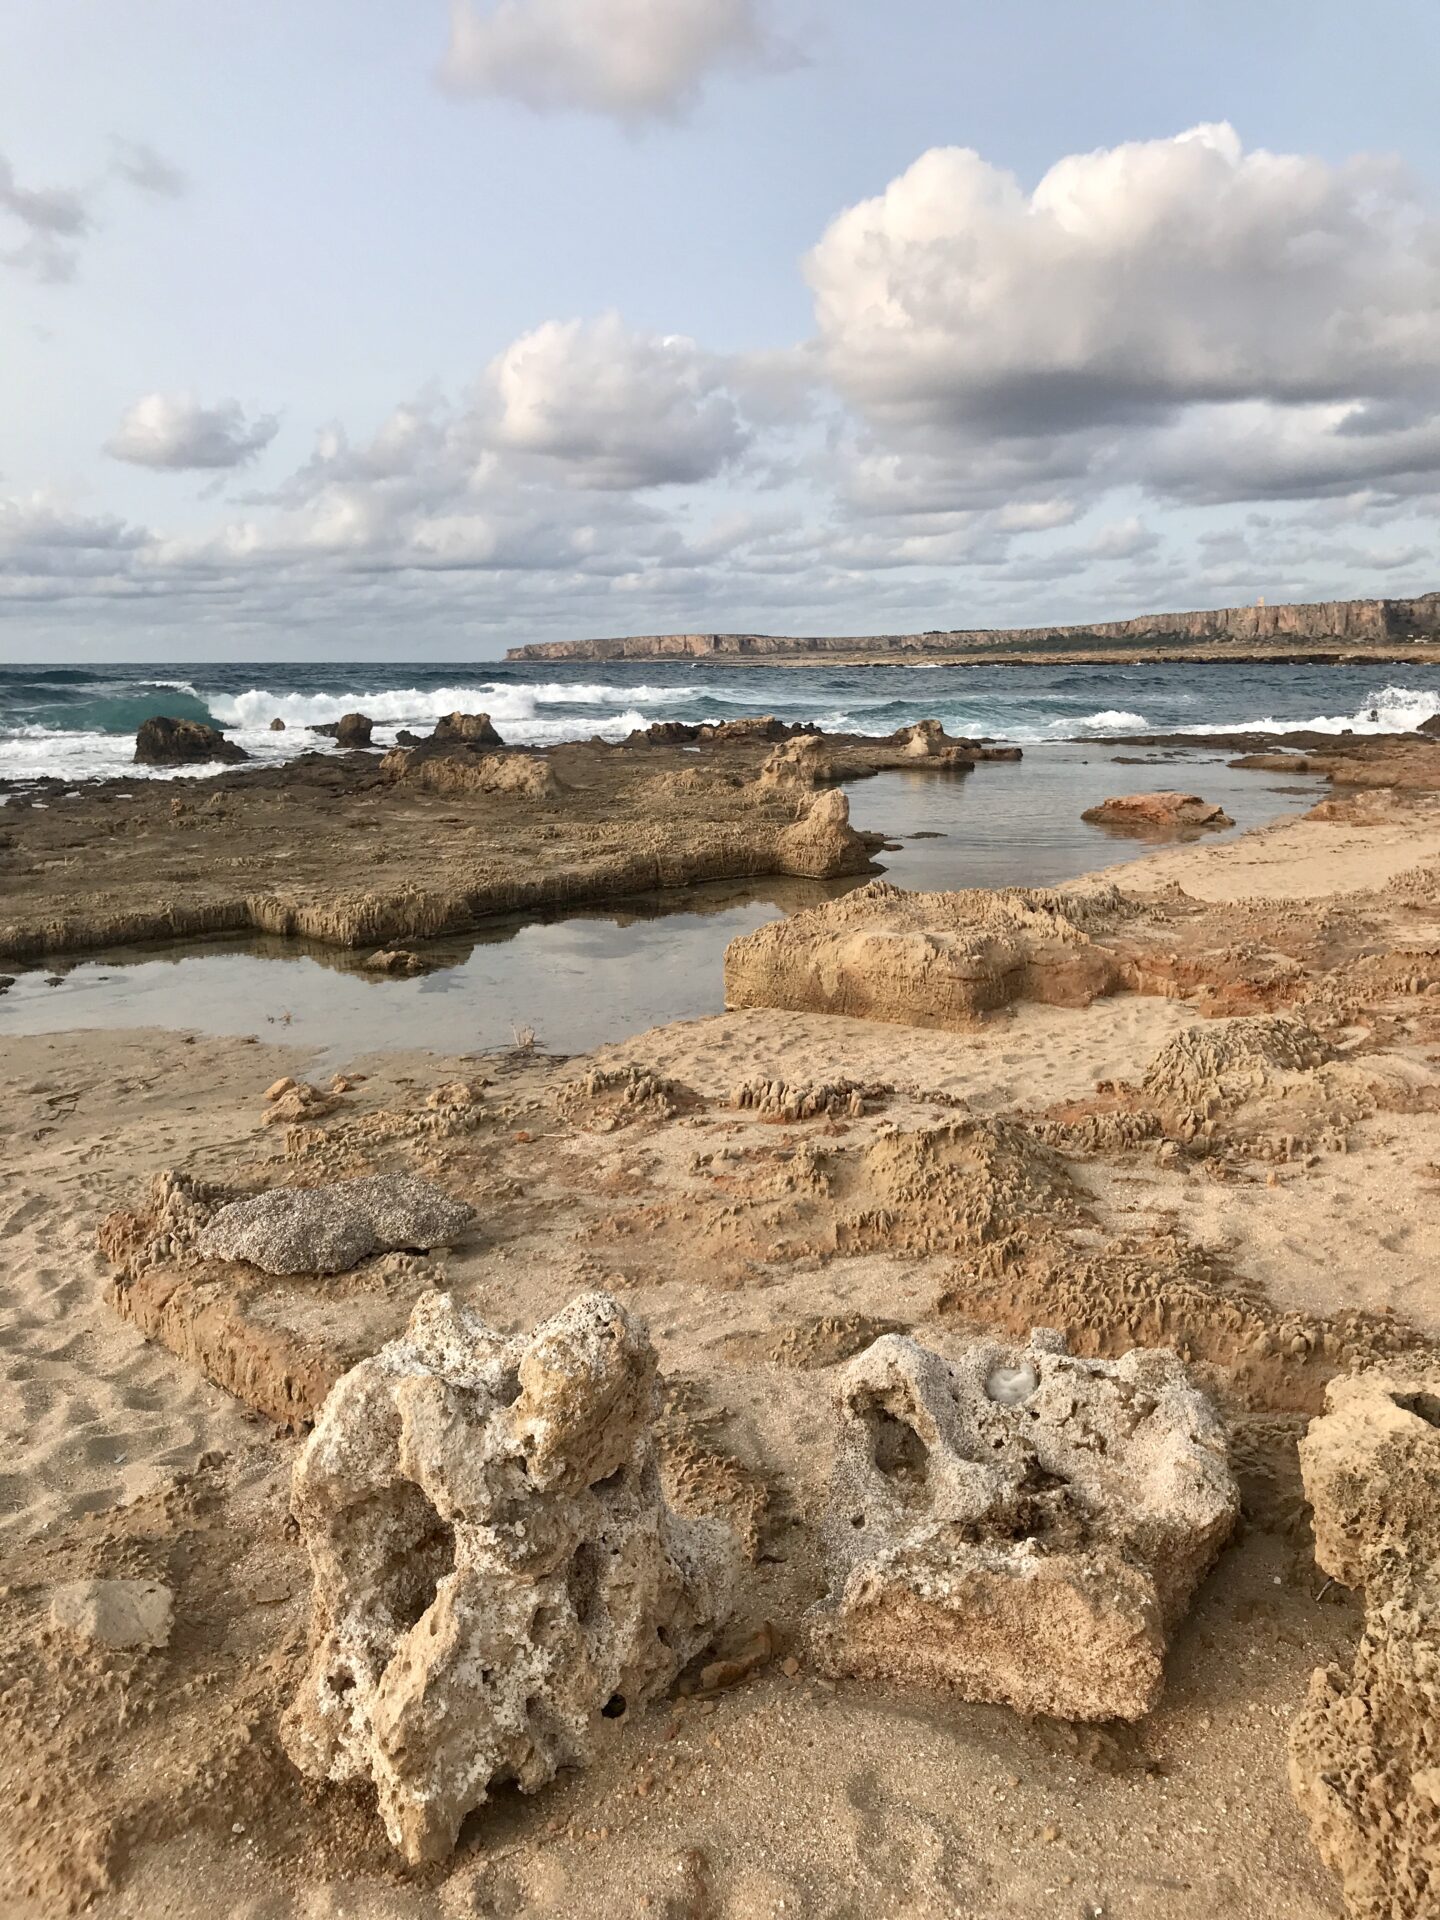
(955, 1431)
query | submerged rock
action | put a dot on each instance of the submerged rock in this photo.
(1365, 1750)
(331, 1229)
(495, 1564)
(1157, 812)
(163, 742)
(116, 1613)
(1020, 1525)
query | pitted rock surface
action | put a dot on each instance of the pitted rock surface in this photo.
(495, 1564)
(1020, 1525)
(331, 1229)
(1365, 1750)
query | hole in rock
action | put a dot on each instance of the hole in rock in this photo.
(423, 1555)
(895, 1447)
(857, 1519)
(1425, 1405)
(614, 1706)
(612, 1482)
(582, 1582)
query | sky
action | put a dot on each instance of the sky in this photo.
(398, 329)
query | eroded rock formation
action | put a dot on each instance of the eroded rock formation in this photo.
(474, 727)
(1365, 1751)
(931, 960)
(495, 1564)
(163, 742)
(1162, 812)
(1019, 1525)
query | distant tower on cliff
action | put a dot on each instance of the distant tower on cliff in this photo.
(1261, 601)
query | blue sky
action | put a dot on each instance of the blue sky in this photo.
(332, 330)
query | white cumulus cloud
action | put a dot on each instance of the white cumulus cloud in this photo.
(958, 313)
(631, 59)
(607, 407)
(177, 433)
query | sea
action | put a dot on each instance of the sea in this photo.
(78, 723)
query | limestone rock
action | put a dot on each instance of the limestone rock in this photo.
(353, 730)
(397, 961)
(277, 725)
(1430, 726)
(461, 770)
(928, 960)
(1020, 1525)
(116, 1613)
(1365, 1750)
(801, 762)
(331, 1229)
(163, 742)
(822, 841)
(495, 1564)
(1163, 812)
(474, 727)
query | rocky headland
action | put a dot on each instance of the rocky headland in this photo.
(1328, 630)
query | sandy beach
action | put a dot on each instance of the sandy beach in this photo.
(1272, 1222)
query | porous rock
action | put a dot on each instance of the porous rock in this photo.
(163, 742)
(822, 841)
(1157, 812)
(1365, 1749)
(801, 762)
(331, 1229)
(495, 1565)
(928, 959)
(115, 1613)
(1018, 1524)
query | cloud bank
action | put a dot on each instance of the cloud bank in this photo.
(1171, 370)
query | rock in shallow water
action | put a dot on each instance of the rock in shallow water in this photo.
(1157, 812)
(495, 1565)
(1020, 1525)
(331, 1229)
(163, 742)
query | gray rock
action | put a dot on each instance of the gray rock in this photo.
(117, 1613)
(331, 1229)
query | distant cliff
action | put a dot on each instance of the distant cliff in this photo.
(1368, 623)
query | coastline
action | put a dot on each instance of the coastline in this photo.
(1091, 1168)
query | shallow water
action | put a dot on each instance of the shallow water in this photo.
(583, 978)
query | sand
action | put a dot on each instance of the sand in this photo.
(152, 1783)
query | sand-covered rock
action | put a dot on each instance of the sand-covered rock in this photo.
(1162, 812)
(495, 1565)
(1365, 1751)
(1018, 1524)
(398, 962)
(163, 742)
(474, 727)
(927, 959)
(331, 1229)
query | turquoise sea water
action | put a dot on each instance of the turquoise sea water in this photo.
(79, 722)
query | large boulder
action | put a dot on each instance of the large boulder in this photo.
(474, 727)
(1163, 812)
(1018, 1524)
(495, 1564)
(1365, 1750)
(331, 1229)
(163, 742)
